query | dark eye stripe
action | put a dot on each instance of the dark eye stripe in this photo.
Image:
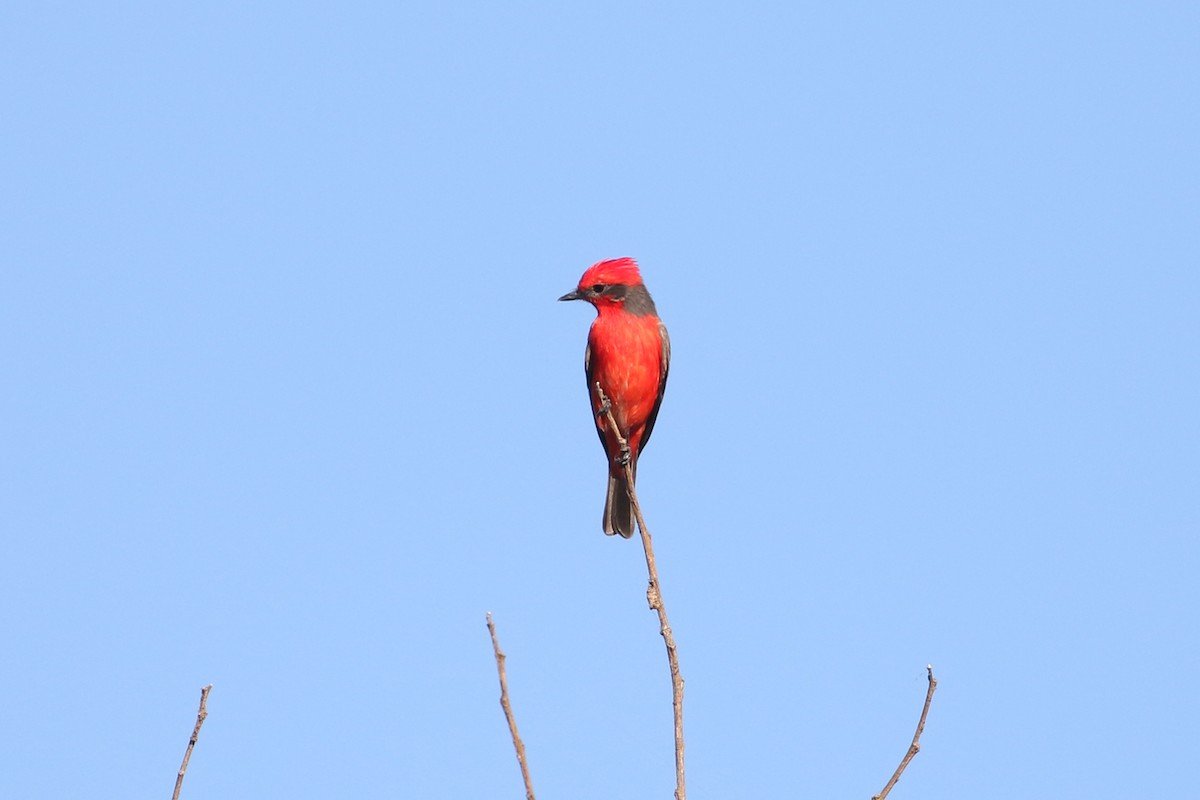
(614, 290)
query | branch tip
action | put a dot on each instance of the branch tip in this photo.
(915, 747)
(201, 715)
(518, 745)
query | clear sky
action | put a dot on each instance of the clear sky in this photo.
(288, 403)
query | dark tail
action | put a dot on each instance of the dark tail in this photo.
(618, 513)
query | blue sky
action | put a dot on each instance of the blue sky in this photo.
(290, 403)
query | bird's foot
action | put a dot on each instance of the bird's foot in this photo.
(623, 456)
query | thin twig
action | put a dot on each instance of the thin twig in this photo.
(915, 747)
(201, 715)
(654, 598)
(508, 714)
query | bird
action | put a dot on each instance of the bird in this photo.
(629, 354)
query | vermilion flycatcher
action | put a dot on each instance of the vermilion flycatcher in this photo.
(628, 353)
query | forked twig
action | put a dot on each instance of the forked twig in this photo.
(654, 598)
(201, 715)
(915, 747)
(508, 714)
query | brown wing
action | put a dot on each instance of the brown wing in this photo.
(662, 384)
(591, 387)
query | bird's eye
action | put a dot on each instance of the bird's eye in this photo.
(598, 288)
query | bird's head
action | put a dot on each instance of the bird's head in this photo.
(613, 285)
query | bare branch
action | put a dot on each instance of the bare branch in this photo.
(915, 747)
(654, 598)
(201, 715)
(508, 714)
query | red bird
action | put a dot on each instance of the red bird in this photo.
(628, 352)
